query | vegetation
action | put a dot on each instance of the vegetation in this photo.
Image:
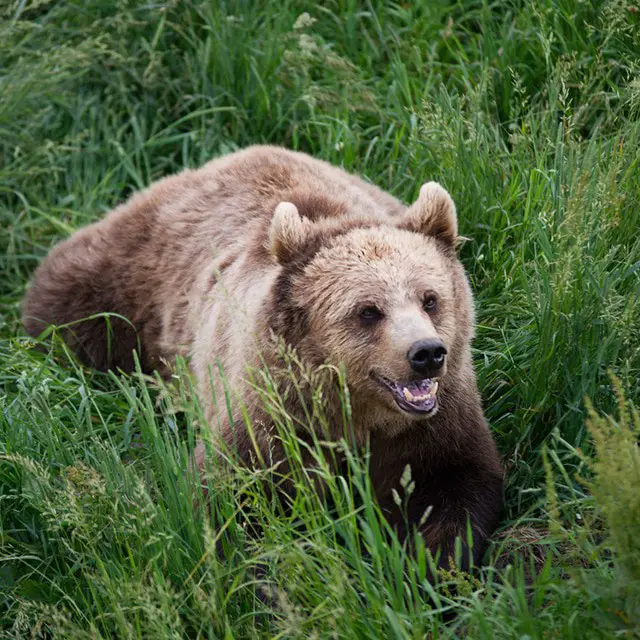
(528, 113)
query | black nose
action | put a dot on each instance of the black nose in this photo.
(427, 356)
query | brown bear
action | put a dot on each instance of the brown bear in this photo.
(266, 245)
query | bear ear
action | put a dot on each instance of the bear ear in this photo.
(287, 232)
(433, 214)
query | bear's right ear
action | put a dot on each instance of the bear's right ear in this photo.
(287, 232)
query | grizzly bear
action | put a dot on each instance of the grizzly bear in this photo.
(267, 245)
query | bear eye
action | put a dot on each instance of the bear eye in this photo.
(430, 302)
(370, 314)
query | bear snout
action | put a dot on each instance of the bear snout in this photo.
(427, 356)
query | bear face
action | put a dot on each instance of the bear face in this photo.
(389, 303)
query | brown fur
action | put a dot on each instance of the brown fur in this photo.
(211, 263)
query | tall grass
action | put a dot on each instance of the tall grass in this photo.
(527, 113)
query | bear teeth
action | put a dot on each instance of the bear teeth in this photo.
(411, 398)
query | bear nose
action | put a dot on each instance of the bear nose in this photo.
(427, 356)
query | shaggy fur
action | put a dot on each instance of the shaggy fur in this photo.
(214, 263)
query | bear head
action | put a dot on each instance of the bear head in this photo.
(388, 301)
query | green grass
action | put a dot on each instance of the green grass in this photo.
(528, 113)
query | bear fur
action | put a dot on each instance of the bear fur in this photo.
(265, 245)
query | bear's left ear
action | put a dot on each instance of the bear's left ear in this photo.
(287, 232)
(433, 214)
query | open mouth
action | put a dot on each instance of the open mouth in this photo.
(417, 396)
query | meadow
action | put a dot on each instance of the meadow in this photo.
(528, 113)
